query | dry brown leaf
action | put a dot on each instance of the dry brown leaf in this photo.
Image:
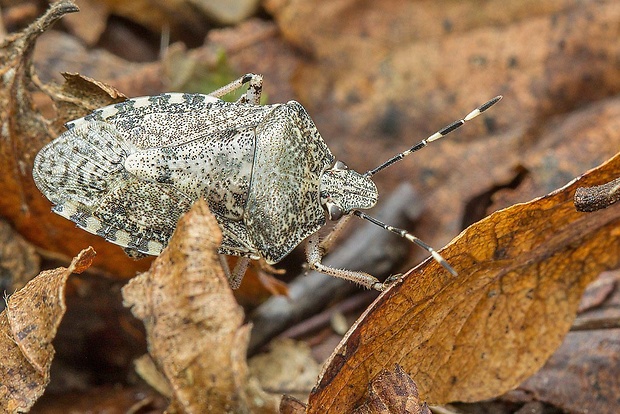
(79, 96)
(18, 260)
(178, 16)
(108, 399)
(186, 18)
(522, 272)
(564, 148)
(372, 57)
(291, 405)
(194, 325)
(582, 375)
(58, 52)
(24, 131)
(27, 327)
(392, 392)
(389, 392)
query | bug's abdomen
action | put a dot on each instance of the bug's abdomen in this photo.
(217, 167)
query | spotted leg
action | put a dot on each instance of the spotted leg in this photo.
(314, 255)
(236, 276)
(252, 95)
(328, 241)
(238, 272)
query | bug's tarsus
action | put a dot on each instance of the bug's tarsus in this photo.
(437, 135)
(406, 235)
(252, 95)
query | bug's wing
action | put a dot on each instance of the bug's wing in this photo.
(82, 174)
(173, 119)
(283, 204)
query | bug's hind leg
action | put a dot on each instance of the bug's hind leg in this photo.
(252, 95)
(238, 272)
(314, 255)
(236, 276)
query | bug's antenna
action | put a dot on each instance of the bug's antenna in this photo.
(439, 134)
(405, 234)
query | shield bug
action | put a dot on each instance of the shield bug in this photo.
(128, 171)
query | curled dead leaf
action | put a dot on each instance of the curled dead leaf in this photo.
(27, 327)
(79, 95)
(392, 392)
(522, 272)
(291, 405)
(18, 116)
(194, 326)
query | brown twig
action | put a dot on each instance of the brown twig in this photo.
(323, 319)
(588, 199)
(591, 324)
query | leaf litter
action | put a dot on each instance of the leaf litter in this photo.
(435, 373)
(522, 272)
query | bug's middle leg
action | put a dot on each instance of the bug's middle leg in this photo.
(252, 95)
(314, 255)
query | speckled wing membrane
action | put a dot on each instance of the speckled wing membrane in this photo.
(84, 171)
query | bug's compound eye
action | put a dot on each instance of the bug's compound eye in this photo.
(333, 211)
(340, 166)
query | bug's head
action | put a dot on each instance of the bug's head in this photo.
(343, 190)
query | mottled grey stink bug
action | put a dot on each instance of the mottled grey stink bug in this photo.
(128, 171)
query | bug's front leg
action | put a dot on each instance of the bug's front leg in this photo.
(314, 255)
(252, 95)
(328, 241)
